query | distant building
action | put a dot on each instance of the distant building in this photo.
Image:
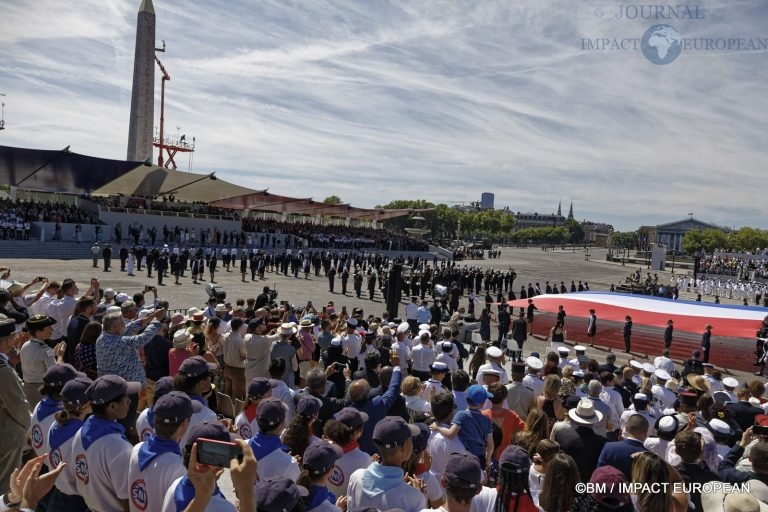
(538, 220)
(671, 234)
(596, 233)
(486, 200)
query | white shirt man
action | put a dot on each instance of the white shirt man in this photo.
(496, 359)
(533, 380)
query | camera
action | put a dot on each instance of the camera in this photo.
(215, 292)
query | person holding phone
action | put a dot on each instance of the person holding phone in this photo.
(197, 489)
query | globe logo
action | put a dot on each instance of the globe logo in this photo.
(661, 44)
(599, 13)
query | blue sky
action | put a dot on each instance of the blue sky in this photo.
(439, 99)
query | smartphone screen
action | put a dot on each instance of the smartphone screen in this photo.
(217, 453)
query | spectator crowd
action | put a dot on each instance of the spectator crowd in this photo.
(120, 403)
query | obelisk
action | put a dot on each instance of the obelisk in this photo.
(143, 92)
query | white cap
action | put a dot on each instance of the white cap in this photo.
(336, 342)
(423, 327)
(122, 297)
(579, 374)
(580, 348)
(109, 292)
(563, 350)
(403, 327)
(113, 309)
(662, 374)
(649, 368)
(730, 382)
(637, 365)
(657, 392)
(719, 427)
(392, 325)
(423, 332)
(491, 371)
(534, 362)
(667, 424)
(494, 352)
(640, 396)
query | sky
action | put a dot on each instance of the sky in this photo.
(375, 100)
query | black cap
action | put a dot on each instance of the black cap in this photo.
(393, 431)
(59, 374)
(278, 494)
(270, 411)
(107, 388)
(174, 407)
(74, 391)
(196, 366)
(258, 387)
(351, 417)
(320, 457)
(463, 469)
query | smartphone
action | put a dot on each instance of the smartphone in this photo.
(339, 366)
(760, 430)
(217, 453)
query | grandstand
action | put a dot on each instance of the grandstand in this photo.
(83, 198)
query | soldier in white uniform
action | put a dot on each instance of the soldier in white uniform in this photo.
(666, 395)
(100, 451)
(727, 395)
(495, 362)
(533, 380)
(563, 353)
(14, 409)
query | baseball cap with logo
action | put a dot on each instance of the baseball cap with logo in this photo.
(107, 388)
(196, 366)
(270, 411)
(174, 407)
(393, 431)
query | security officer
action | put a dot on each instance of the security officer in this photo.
(37, 356)
(14, 408)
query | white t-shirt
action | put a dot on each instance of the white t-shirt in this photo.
(66, 479)
(343, 469)
(440, 448)
(148, 487)
(100, 471)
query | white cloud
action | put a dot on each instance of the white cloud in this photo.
(391, 99)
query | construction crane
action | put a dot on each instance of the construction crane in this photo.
(169, 147)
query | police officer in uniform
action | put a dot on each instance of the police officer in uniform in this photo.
(14, 408)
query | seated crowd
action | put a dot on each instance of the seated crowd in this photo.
(34, 211)
(121, 400)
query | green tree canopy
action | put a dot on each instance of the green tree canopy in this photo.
(333, 200)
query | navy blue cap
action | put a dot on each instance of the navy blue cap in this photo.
(463, 469)
(196, 366)
(308, 406)
(214, 430)
(258, 387)
(514, 459)
(163, 386)
(421, 440)
(393, 431)
(320, 457)
(74, 391)
(351, 417)
(278, 494)
(270, 411)
(107, 388)
(60, 373)
(174, 407)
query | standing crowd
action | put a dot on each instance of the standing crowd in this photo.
(118, 403)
